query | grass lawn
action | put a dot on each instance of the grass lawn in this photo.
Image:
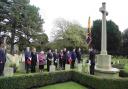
(67, 85)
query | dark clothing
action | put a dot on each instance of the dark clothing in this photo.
(1, 68)
(60, 59)
(33, 62)
(92, 60)
(73, 56)
(41, 67)
(27, 58)
(78, 54)
(49, 60)
(2, 56)
(56, 57)
(69, 59)
(2, 61)
(64, 59)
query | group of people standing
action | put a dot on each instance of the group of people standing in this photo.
(57, 58)
(63, 57)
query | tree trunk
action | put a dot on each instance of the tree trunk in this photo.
(12, 40)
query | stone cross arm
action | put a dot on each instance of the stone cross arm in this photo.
(103, 9)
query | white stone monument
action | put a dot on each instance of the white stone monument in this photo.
(52, 67)
(103, 60)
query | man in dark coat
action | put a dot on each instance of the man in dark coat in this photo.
(78, 53)
(64, 58)
(34, 60)
(49, 59)
(73, 56)
(2, 56)
(56, 58)
(92, 60)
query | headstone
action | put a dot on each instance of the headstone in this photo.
(79, 67)
(8, 71)
(52, 68)
(21, 67)
(67, 67)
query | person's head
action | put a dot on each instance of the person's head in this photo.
(42, 52)
(68, 52)
(33, 49)
(28, 49)
(65, 49)
(49, 50)
(74, 50)
(55, 50)
(61, 50)
(79, 49)
(90, 49)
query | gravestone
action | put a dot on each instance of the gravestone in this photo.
(67, 67)
(8, 71)
(21, 67)
(86, 66)
(79, 67)
(52, 67)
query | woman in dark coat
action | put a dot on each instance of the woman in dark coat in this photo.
(34, 60)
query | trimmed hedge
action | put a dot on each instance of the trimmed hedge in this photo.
(123, 73)
(100, 83)
(34, 80)
(28, 81)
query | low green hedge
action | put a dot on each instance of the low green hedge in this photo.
(28, 81)
(34, 80)
(100, 83)
(123, 73)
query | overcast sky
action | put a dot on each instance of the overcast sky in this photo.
(80, 10)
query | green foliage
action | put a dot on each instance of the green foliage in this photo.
(123, 73)
(21, 20)
(113, 36)
(125, 42)
(126, 67)
(70, 35)
(38, 80)
(34, 80)
(99, 82)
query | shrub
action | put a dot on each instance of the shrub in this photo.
(123, 73)
(100, 83)
(28, 81)
(34, 80)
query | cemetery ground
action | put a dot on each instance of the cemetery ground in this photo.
(45, 80)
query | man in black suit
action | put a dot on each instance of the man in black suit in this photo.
(49, 59)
